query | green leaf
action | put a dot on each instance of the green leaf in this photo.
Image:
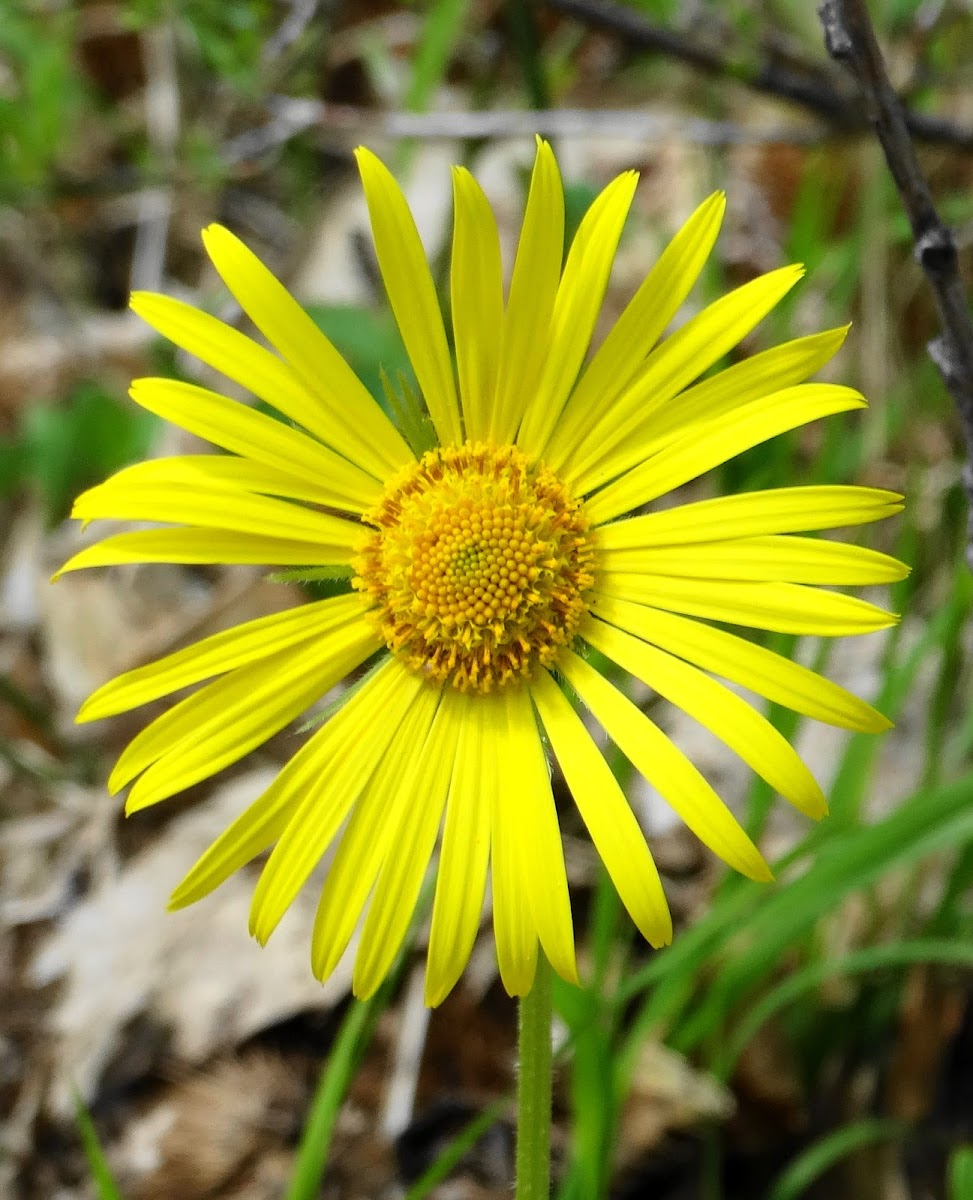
(368, 340)
(70, 446)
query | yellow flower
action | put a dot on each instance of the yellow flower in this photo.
(482, 570)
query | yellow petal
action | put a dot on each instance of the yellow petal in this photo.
(605, 811)
(357, 426)
(782, 366)
(227, 471)
(225, 651)
(529, 782)
(211, 505)
(576, 308)
(346, 758)
(525, 334)
(747, 514)
(514, 928)
(412, 294)
(237, 713)
(654, 755)
(718, 709)
(413, 838)
(680, 359)
(256, 829)
(638, 328)
(699, 450)
(369, 835)
(237, 357)
(476, 292)
(463, 859)
(235, 427)
(762, 559)
(782, 607)
(753, 667)
(203, 546)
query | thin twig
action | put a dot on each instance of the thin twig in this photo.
(850, 38)
(292, 117)
(813, 90)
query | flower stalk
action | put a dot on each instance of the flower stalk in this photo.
(534, 1088)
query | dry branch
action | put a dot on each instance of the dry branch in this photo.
(850, 38)
(811, 88)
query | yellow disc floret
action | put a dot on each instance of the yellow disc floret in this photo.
(479, 566)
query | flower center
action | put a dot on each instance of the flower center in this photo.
(478, 566)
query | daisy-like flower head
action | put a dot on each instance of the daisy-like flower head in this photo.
(487, 548)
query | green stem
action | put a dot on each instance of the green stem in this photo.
(534, 1089)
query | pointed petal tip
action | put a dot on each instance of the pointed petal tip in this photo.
(140, 300)
(215, 231)
(568, 971)
(760, 873)
(434, 996)
(659, 935)
(258, 930)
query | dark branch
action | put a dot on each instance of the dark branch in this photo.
(851, 41)
(815, 90)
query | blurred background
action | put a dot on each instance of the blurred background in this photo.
(810, 1039)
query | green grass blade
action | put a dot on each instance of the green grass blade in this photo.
(961, 1174)
(454, 1150)
(346, 1053)
(441, 30)
(101, 1175)
(823, 1154)
(874, 958)
(932, 820)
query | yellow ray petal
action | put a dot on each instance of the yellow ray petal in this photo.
(357, 426)
(222, 652)
(702, 449)
(762, 559)
(235, 427)
(369, 835)
(753, 667)
(254, 831)
(576, 308)
(748, 514)
(346, 762)
(605, 811)
(241, 711)
(770, 371)
(310, 770)
(414, 836)
(782, 607)
(211, 505)
(680, 359)
(639, 327)
(237, 357)
(411, 293)
(476, 292)
(228, 471)
(203, 546)
(665, 766)
(514, 929)
(463, 859)
(526, 777)
(525, 334)
(715, 707)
